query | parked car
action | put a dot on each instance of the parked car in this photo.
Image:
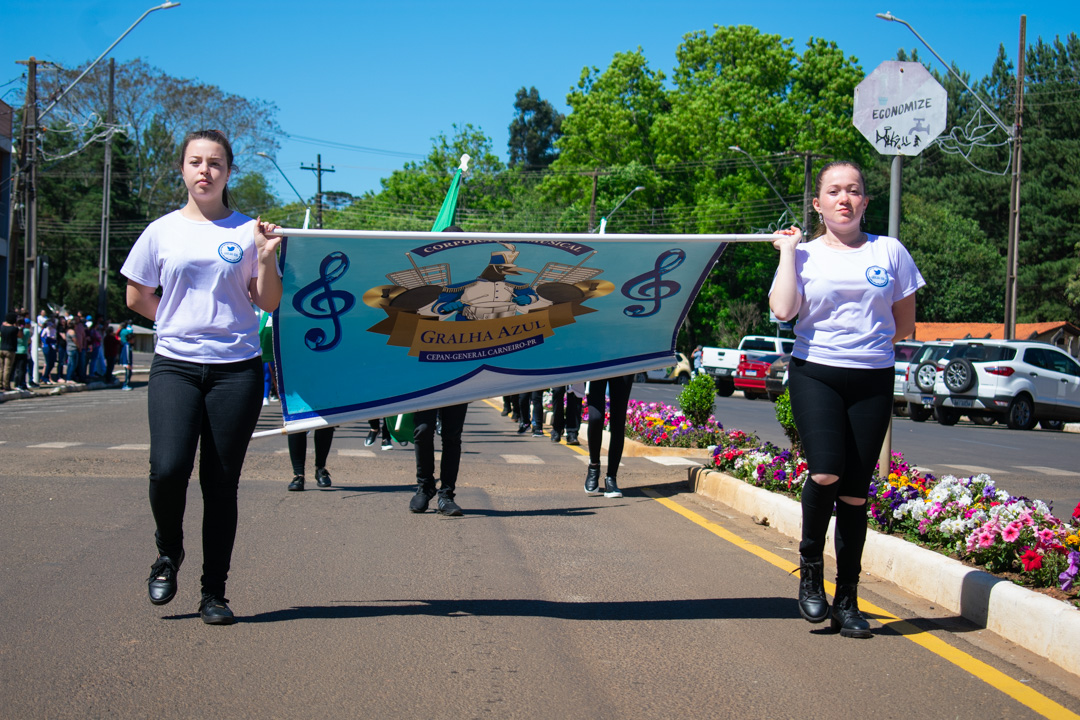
(777, 377)
(677, 373)
(750, 374)
(1020, 382)
(904, 351)
(722, 363)
(919, 379)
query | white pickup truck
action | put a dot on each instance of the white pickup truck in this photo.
(721, 363)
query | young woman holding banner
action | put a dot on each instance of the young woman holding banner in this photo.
(205, 386)
(854, 295)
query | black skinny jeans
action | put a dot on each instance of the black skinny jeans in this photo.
(453, 421)
(618, 392)
(565, 416)
(213, 408)
(531, 409)
(298, 448)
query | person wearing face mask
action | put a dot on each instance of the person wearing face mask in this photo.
(854, 296)
(205, 388)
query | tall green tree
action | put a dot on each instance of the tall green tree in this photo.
(536, 127)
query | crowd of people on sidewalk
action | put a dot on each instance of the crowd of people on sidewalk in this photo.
(71, 348)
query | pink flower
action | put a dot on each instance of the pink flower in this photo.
(1011, 532)
(986, 539)
(1046, 536)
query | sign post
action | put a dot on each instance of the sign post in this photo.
(900, 108)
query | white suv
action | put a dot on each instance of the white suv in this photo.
(1018, 381)
(919, 379)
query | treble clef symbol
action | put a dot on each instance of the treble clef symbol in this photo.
(650, 287)
(325, 303)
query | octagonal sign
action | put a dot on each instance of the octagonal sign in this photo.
(900, 108)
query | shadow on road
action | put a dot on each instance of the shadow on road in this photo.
(701, 609)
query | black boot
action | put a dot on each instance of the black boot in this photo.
(592, 480)
(424, 492)
(813, 605)
(611, 487)
(845, 613)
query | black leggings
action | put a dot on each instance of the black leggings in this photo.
(298, 448)
(842, 415)
(618, 390)
(213, 408)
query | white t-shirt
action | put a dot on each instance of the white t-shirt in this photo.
(203, 268)
(845, 313)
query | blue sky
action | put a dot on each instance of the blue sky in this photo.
(392, 75)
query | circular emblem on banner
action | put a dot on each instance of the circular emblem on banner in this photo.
(878, 276)
(233, 253)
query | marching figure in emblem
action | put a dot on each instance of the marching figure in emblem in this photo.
(491, 295)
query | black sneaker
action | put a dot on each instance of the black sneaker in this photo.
(371, 438)
(592, 480)
(214, 610)
(611, 488)
(538, 432)
(448, 507)
(555, 436)
(322, 477)
(420, 500)
(162, 581)
(571, 438)
(523, 428)
(387, 444)
(297, 483)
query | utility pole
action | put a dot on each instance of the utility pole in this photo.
(318, 170)
(106, 199)
(1012, 261)
(592, 205)
(28, 167)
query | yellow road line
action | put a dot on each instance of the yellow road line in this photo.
(995, 678)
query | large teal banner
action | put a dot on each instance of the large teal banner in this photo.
(374, 324)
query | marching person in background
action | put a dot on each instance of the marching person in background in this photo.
(452, 421)
(566, 413)
(617, 392)
(298, 455)
(854, 295)
(205, 382)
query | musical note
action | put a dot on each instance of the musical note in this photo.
(325, 302)
(650, 287)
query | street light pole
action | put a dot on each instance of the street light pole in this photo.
(1013, 134)
(28, 163)
(307, 210)
(604, 220)
(791, 212)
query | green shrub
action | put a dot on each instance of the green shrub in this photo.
(697, 398)
(787, 421)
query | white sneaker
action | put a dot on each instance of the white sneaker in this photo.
(266, 402)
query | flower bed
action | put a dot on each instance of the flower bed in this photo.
(967, 518)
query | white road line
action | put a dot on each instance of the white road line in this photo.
(522, 459)
(973, 470)
(356, 453)
(55, 445)
(1050, 471)
(672, 461)
(130, 447)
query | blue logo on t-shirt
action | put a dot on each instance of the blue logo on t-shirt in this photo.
(878, 276)
(231, 252)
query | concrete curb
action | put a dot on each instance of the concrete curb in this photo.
(1045, 626)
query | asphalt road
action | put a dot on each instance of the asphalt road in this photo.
(1038, 464)
(540, 602)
